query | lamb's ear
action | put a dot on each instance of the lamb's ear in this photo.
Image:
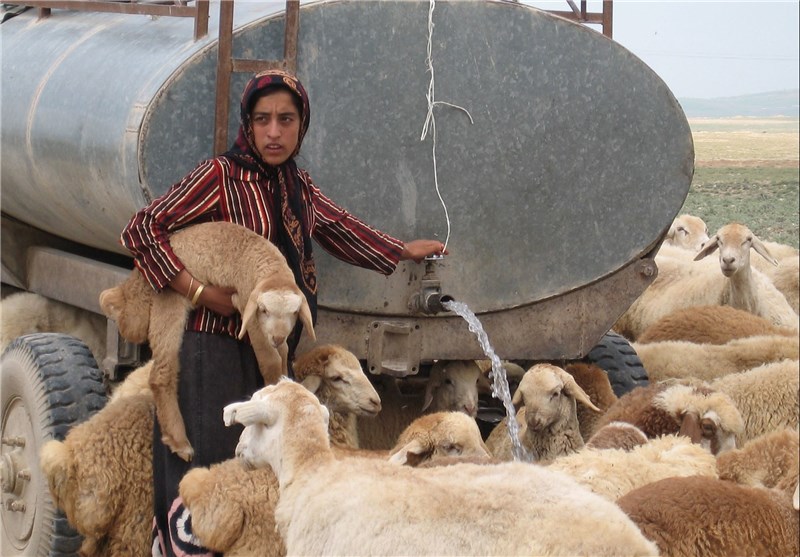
(796, 498)
(673, 228)
(249, 312)
(516, 400)
(249, 413)
(690, 427)
(411, 454)
(434, 381)
(708, 248)
(575, 391)
(312, 383)
(762, 250)
(306, 319)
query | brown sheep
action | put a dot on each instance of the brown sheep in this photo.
(595, 383)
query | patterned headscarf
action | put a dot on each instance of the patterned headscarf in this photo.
(294, 233)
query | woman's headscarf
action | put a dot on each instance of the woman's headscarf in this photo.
(294, 232)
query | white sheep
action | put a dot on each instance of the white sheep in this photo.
(766, 396)
(614, 472)
(771, 460)
(697, 516)
(24, 313)
(687, 232)
(222, 254)
(681, 284)
(708, 417)
(786, 278)
(509, 509)
(451, 386)
(779, 251)
(676, 358)
(548, 418)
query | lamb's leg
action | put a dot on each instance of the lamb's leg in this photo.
(167, 323)
(270, 363)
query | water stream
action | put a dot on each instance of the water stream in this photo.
(500, 387)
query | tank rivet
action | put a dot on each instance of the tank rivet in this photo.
(16, 505)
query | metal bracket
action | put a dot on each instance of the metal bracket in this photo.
(393, 348)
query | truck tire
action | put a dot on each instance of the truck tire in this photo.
(617, 357)
(50, 382)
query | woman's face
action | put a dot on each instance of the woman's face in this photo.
(276, 127)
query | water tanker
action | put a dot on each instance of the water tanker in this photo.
(553, 182)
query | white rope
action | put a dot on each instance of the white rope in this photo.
(430, 119)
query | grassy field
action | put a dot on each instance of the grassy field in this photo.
(746, 170)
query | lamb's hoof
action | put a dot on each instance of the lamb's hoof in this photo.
(185, 451)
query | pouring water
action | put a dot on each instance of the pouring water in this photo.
(500, 387)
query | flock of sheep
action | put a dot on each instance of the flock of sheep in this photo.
(703, 461)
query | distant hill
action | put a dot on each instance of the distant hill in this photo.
(774, 103)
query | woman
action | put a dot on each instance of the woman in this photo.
(258, 185)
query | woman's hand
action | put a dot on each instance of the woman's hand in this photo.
(218, 299)
(417, 250)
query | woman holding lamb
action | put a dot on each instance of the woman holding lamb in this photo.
(258, 185)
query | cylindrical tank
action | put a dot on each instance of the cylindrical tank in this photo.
(568, 162)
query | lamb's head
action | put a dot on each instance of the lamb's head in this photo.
(335, 375)
(549, 395)
(285, 410)
(439, 435)
(708, 417)
(277, 306)
(687, 232)
(734, 241)
(453, 386)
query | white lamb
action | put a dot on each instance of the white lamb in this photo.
(548, 418)
(786, 278)
(682, 284)
(222, 254)
(687, 232)
(451, 386)
(509, 509)
(676, 358)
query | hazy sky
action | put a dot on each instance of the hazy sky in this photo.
(710, 49)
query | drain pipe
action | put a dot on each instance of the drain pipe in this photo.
(430, 299)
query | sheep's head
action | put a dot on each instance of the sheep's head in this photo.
(708, 417)
(335, 375)
(439, 435)
(687, 232)
(734, 241)
(277, 309)
(549, 394)
(267, 418)
(453, 386)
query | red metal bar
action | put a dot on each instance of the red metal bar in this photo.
(224, 70)
(201, 19)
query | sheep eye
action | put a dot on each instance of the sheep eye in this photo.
(708, 430)
(338, 378)
(555, 394)
(682, 229)
(448, 381)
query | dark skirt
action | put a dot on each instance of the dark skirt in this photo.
(215, 371)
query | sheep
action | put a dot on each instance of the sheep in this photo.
(24, 313)
(233, 506)
(223, 254)
(687, 232)
(710, 325)
(766, 396)
(771, 460)
(699, 515)
(617, 435)
(101, 476)
(786, 278)
(675, 358)
(706, 416)
(681, 284)
(779, 251)
(509, 509)
(137, 382)
(548, 418)
(614, 472)
(451, 385)
(595, 383)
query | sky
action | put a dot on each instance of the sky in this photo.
(708, 49)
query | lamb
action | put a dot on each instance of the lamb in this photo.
(779, 251)
(674, 358)
(699, 515)
(613, 472)
(24, 313)
(509, 509)
(223, 254)
(101, 476)
(687, 232)
(451, 385)
(595, 383)
(771, 460)
(710, 325)
(786, 278)
(706, 416)
(617, 435)
(233, 506)
(681, 284)
(766, 396)
(548, 420)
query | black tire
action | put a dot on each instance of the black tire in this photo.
(50, 382)
(617, 357)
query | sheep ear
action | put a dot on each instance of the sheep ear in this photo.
(796, 498)
(248, 413)
(516, 400)
(708, 248)
(312, 383)
(762, 250)
(249, 312)
(690, 427)
(306, 319)
(575, 391)
(434, 381)
(673, 228)
(411, 454)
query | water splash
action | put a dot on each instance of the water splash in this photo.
(500, 387)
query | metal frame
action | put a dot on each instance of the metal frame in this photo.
(582, 15)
